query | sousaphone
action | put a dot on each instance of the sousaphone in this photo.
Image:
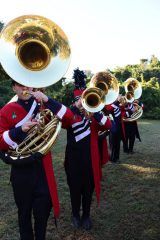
(35, 52)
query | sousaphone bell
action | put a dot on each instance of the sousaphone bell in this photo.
(35, 52)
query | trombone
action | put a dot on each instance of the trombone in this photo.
(134, 86)
(133, 91)
(103, 90)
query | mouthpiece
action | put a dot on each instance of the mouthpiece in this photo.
(26, 93)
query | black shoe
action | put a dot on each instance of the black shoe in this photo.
(76, 223)
(116, 161)
(126, 151)
(131, 152)
(86, 223)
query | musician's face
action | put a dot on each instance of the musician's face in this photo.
(78, 103)
(21, 91)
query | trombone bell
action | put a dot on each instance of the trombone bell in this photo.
(34, 51)
(107, 83)
(129, 96)
(93, 99)
(133, 85)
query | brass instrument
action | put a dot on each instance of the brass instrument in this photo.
(26, 93)
(133, 85)
(40, 138)
(107, 83)
(103, 90)
(135, 115)
(35, 52)
(133, 91)
(129, 96)
(93, 99)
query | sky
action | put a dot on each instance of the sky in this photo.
(102, 33)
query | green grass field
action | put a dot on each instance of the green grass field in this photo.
(130, 199)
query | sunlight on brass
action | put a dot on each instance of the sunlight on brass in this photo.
(34, 51)
(132, 84)
(40, 138)
(129, 96)
(93, 99)
(133, 91)
(33, 55)
(26, 93)
(108, 84)
(135, 116)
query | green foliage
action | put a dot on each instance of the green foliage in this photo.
(6, 92)
(153, 113)
(151, 100)
(122, 73)
(151, 72)
(147, 72)
(61, 92)
(154, 62)
(153, 83)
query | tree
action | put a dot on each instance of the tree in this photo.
(154, 62)
(153, 83)
(143, 63)
(1, 25)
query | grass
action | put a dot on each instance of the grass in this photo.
(130, 199)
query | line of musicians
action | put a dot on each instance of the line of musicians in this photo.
(125, 131)
(33, 180)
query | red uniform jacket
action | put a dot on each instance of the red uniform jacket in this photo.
(12, 117)
(98, 122)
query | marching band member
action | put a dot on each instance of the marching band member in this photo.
(82, 159)
(131, 129)
(133, 91)
(118, 112)
(33, 181)
(116, 136)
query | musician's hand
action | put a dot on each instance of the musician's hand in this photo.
(29, 124)
(88, 115)
(40, 96)
(135, 108)
(136, 101)
(85, 113)
(119, 97)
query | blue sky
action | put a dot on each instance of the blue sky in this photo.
(102, 33)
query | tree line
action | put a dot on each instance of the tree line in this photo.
(147, 72)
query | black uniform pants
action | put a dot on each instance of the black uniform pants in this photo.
(78, 167)
(114, 142)
(130, 130)
(129, 143)
(81, 196)
(32, 197)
